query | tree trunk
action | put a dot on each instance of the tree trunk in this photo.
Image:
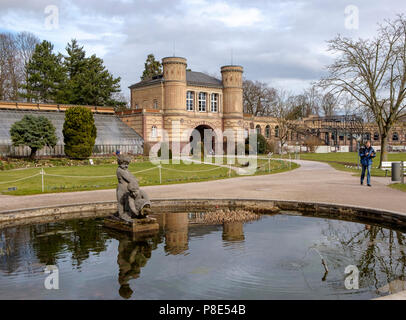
(384, 154)
(33, 153)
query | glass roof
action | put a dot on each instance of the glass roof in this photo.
(110, 129)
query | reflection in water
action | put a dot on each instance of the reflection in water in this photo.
(379, 253)
(134, 251)
(233, 231)
(276, 262)
(176, 232)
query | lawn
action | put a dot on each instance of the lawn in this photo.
(102, 176)
(347, 161)
(398, 186)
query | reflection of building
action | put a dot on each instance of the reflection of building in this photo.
(233, 231)
(176, 232)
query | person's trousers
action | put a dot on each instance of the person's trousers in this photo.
(368, 169)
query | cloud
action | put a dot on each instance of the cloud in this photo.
(282, 42)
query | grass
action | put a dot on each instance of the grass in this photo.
(398, 186)
(339, 161)
(96, 177)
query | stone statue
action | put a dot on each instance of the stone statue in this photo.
(131, 201)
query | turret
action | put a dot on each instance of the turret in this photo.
(174, 69)
(232, 92)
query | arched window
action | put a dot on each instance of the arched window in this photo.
(276, 131)
(376, 136)
(258, 127)
(268, 131)
(153, 132)
(395, 136)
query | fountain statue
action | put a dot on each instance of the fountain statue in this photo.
(133, 203)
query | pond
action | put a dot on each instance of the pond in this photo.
(275, 257)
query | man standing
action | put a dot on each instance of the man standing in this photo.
(366, 154)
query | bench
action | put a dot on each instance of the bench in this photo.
(387, 165)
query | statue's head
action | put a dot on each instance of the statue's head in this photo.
(123, 161)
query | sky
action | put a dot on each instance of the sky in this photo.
(280, 42)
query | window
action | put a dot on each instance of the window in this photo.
(189, 101)
(202, 101)
(155, 104)
(214, 102)
(258, 127)
(341, 137)
(376, 136)
(153, 132)
(276, 131)
(268, 131)
(395, 136)
(136, 106)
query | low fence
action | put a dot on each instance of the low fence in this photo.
(59, 150)
(156, 175)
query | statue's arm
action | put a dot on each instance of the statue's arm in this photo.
(131, 204)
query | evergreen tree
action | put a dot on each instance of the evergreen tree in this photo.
(152, 68)
(79, 132)
(35, 132)
(89, 83)
(46, 76)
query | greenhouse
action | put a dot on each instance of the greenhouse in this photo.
(112, 134)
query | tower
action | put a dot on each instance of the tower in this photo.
(232, 97)
(174, 72)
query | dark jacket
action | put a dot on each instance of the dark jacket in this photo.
(366, 160)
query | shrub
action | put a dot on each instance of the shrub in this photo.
(262, 145)
(35, 132)
(79, 132)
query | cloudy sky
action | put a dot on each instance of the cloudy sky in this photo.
(279, 42)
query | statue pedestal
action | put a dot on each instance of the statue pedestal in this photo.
(144, 225)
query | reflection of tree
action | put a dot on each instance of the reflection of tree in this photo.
(133, 254)
(378, 253)
(80, 237)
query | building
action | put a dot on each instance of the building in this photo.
(192, 99)
(198, 101)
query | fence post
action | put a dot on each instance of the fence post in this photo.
(402, 172)
(42, 178)
(229, 170)
(269, 165)
(160, 174)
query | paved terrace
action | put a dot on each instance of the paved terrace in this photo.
(313, 181)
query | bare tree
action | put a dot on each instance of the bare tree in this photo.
(25, 43)
(329, 104)
(258, 98)
(281, 111)
(15, 52)
(373, 72)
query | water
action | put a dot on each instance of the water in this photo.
(276, 257)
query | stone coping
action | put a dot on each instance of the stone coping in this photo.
(396, 220)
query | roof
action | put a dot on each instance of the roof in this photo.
(202, 79)
(193, 78)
